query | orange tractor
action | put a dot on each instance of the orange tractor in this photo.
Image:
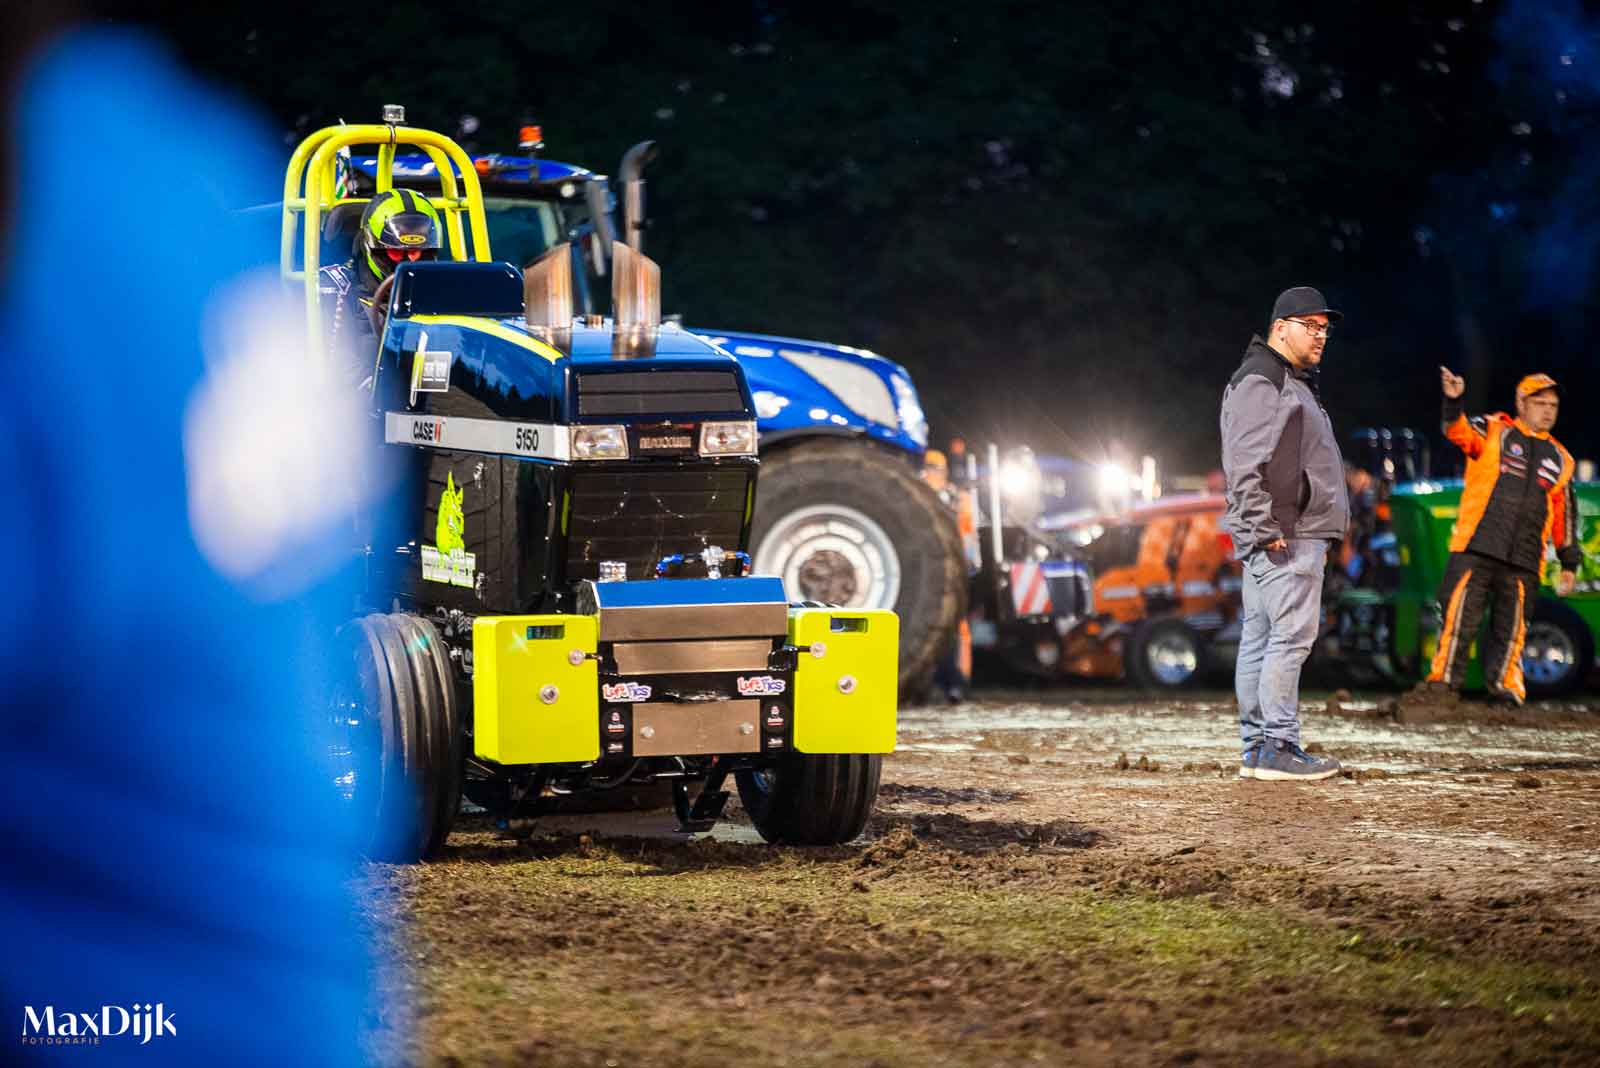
(1141, 594)
(1164, 583)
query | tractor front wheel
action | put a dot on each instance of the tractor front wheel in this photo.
(1164, 654)
(398, 738)
(809, 799)
(1557, 650)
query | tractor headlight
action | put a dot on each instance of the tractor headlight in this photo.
(1115, 480)
(1022, 486)
(599, 443)
(736, 438)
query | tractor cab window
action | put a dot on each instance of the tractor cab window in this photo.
(1118, 546)
(520, 230)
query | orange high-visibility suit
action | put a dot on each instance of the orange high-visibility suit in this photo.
(1518, 498)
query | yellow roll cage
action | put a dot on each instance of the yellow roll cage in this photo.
(308, 192)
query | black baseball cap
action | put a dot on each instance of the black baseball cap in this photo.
(1302, 300)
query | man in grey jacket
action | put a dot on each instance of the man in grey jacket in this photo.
(1286, 504)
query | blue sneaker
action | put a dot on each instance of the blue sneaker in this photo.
(1249, 758)
(1282, 761)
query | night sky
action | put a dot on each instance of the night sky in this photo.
(1066, 220)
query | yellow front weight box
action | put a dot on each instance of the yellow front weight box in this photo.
(845, 678)
(535, 689)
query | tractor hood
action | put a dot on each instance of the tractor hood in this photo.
(501, 369)
(806, 387)
(485, 361)
(539, 454)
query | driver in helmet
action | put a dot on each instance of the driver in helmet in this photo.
(398, 226)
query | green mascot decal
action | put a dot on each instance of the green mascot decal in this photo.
(447, 536)
(448, 561)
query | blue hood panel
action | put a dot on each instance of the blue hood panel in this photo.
(790, 402)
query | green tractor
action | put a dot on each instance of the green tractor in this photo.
(1390, 632)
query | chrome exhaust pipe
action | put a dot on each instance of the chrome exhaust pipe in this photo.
(631, 172)
(635, 303)
(547, 296)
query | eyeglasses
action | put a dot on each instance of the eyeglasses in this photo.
(1314, 329)
(396, 255)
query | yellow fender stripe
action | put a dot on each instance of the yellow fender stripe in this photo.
(493, 329)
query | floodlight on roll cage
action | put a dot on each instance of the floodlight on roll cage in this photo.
(309, 192)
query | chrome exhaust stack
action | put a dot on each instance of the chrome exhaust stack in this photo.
(635, 303)
(632, 174)
(547, 296)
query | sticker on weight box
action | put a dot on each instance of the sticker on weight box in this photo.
(624, 692)
(760, 686)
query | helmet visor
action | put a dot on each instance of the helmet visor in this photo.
(412, 255)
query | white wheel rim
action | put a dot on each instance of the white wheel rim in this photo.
(839, 542)
(1548, 655)
(1172, 658)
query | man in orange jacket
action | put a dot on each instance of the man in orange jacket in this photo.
(1518, 498)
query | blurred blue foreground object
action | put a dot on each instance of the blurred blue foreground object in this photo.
(176, 884)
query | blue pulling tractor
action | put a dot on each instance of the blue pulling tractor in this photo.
(563, 601)
(843, 516)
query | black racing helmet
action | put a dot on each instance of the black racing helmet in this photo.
(397, 226)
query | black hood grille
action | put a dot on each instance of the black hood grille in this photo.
(659, 393)
(640, 515)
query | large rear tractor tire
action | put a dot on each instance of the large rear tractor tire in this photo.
(843, 523)
(812, 799)
(399, 738)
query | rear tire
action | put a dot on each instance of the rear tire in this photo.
(811, 799)
(1557, 651)
(843, 523)
(1164, 654)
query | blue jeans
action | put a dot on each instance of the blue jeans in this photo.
(1282, 610)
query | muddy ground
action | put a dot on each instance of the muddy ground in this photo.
(1067, 877)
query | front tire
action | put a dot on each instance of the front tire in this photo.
(440, 723)
(398, 751)
(1164, 654)
(844, 524)
(811, 799)
(1557, 650)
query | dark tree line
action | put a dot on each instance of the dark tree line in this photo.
(1065, 220)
